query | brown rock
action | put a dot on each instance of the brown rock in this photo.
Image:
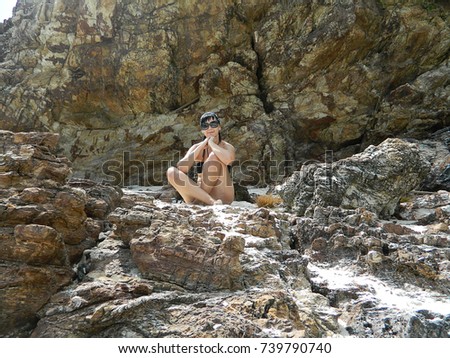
(397, 229)
(319, 244)
(38, 244)
(127, 221)
(24, 290)
(189, 260)
(28, 161)
(290, 79)
(40, 139)
(44, 226)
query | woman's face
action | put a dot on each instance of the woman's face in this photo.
(210, 127)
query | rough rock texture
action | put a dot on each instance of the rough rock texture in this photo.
(167, 248)
(250, 298)
(384, 273)
(339, 273)
(45, 225)
(80, 259)
(375, 179)
(436, 150)
(192, 261)
(124, 82)
(426, 208)
(28, 160)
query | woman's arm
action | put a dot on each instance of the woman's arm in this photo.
(226, 155)
(191, 156)
(198, 154)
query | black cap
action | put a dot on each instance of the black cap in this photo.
(207, 115)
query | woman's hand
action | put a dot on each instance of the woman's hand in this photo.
(210, 140)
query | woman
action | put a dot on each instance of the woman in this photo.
(213, 157)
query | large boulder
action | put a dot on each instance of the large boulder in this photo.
(179, 247)
(375, 179)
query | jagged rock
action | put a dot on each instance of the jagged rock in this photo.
(97, 303)
(38, 244)
(426, 207)
(428, 324)
(127, 221)
(158, 301)
(371, 269)
(27, 160)
(369, 321)
(436, 149)
(400, 110)
(329, 273)
(284, 292)
(375, 179)
(101, 199)
(25, 289)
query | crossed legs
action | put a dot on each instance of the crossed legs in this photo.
(213, 187)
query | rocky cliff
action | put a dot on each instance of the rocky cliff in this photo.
(81, 259)
(123, 81)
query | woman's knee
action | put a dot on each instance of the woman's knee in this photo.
(176, 177)
(173, 174)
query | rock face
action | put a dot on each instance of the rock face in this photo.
(436, 150)
(45, 225)
(375, 179)
(124, 83)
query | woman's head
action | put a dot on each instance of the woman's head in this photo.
(210, 125)
(208, 117)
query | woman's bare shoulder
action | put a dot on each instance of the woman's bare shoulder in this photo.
(193, 147)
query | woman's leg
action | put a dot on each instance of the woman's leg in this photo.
(216, 180)
(187, 188)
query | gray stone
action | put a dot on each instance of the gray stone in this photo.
(375, 179)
